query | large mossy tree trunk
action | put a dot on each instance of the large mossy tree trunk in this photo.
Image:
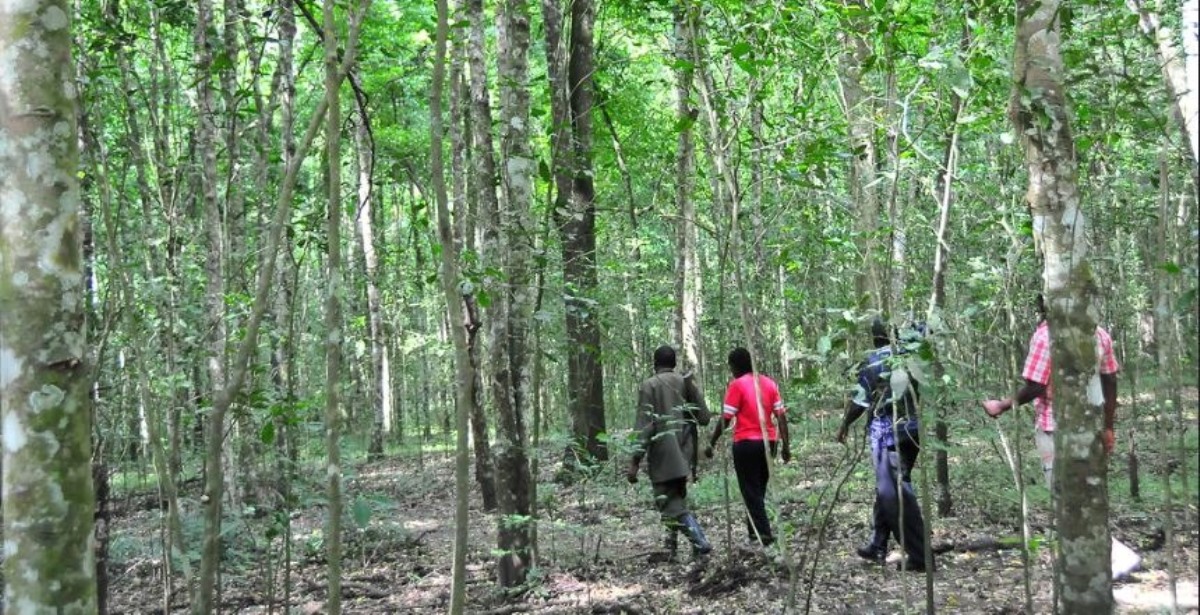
(1040, 115)
(49, 563)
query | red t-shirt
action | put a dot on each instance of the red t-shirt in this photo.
(741, 404)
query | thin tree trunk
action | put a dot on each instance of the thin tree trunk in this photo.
(333, 318)
(859, 109)
(214, 302)
(483, 175)
(937, 301)
(49, 565)
(688, 282)
(382, 377)
(204, 601)
(460, 112)
(511, 377)
(1040, 115)
(465, 380)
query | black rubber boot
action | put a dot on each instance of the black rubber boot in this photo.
(691, 527)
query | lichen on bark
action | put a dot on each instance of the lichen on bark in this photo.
(47, 482)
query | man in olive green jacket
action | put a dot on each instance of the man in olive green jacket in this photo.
(669, 408)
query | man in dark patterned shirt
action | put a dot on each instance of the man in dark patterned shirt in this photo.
(889, 393)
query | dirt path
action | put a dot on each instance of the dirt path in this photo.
(595, 540)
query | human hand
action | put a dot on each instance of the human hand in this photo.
(841, 435)
(994, 407)
(708, 451)
(787, 454)
(1110, 440)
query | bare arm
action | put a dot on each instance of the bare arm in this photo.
(1028, 392)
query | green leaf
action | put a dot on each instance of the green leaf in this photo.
(267, 433)
(740, 49)
(1170, 268)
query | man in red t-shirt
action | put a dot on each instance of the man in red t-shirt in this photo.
(753, 403)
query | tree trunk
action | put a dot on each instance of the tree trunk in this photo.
(864, 197)
(48, 503)
(381, 377)
(1179, 78)
(483, 175)
(1040, 115)
(214, 301)
(511, 377)
(465, 380)
(577, 228)
(460, 110)
(688, 282)
(937, 301)
(333, 318)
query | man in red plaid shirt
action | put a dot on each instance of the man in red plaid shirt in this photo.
(1038, 389)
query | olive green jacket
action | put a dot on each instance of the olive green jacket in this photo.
(670, 407)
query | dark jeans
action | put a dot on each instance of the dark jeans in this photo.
(891, 497)
(750, 463)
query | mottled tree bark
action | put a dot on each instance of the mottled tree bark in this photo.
(688, 282)
(1040, 115)
(511, 377)
(48, 507)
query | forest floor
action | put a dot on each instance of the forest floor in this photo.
(596, 539)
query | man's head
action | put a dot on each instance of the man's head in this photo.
(739, 362)
(664, 357)
(1039, 305)
(879, 333)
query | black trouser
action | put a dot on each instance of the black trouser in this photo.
(892, 496)
(750, 463)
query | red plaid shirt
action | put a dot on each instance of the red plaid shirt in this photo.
(1037, 369)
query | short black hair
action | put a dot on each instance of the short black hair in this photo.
(664, 356)
(740, 362)
(879, 333)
